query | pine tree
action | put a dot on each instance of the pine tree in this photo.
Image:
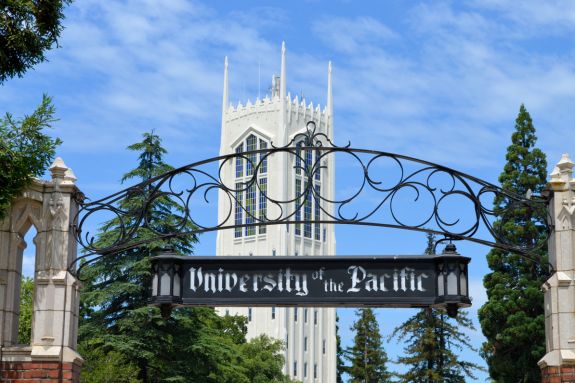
(433, 342)
(118, 325)
(340, 367)
(512, 319)
(367, 356)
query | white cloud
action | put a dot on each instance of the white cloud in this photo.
(350, 35)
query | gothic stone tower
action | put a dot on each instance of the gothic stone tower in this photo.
(309, 333)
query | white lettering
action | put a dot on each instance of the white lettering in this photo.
(355, 279)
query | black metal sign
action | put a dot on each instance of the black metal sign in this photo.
(404, 281)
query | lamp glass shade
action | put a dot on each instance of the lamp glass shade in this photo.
(463, 280)
(440, 285)
(452, 283)
(176, 283)
(165, 283)
(155, 285)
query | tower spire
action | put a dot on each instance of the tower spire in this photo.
(283, 73)
(329, 104)
(329, 91)
(225, 101)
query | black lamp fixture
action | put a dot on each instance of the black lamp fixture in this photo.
(166, 281)
(452, 281)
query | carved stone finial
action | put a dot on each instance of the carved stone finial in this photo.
(565, 164)
(555, 174)
(69, 177)
(58, 169)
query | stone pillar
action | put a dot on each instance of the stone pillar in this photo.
(558, 365)
(51, 208)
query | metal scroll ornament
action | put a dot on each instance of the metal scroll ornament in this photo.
(374, 188)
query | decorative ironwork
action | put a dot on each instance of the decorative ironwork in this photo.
(404, 192)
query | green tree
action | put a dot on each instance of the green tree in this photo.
(367, 356)
(193, 345)
(28, 28)
(25, 152)
(433, 343)
(26, 309)
(340, 366)
(109, 367)
(512, 319)
(262, 360)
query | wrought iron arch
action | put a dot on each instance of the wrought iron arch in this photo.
(435, 183)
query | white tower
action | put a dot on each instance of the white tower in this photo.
(309, 333)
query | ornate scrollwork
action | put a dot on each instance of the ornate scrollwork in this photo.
(392, 190)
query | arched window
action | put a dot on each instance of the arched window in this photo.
(307, 191)
(251, 197)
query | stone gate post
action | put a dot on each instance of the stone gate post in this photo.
(49, 206)
(558, 365)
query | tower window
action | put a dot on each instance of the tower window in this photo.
(317, 211)
(315, 370)
(305, 315)
(305, 370)
(317, 165)
(308, 164)
(250, 209)
(252, 199)
(263, 203)
(251, 146)
(305, 343)
(295, 368)
(297, 206)
(250, 314)
(239, 161)
(314, 316)
(323, 347)
(295, 314)
(298, 158)
(263, 157)
(307, 211)
(310, 180)
(273, 313)
(239, 209)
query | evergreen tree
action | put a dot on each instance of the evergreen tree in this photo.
(512, 319)
(340, 367)
(433, 342)
(367, 356)
(117, 325)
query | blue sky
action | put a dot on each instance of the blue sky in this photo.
(438, 80)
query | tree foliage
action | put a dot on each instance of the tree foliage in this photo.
(367, 357)
(340, 366)
(28, 28)
(193, 345)
(433, 343)
(25, 151)
(26, 309)
(512, 319)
